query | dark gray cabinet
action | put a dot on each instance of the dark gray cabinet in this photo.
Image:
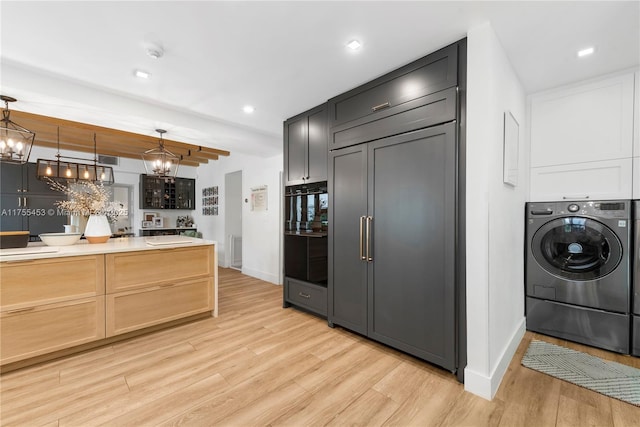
(167, 193)
(392, 241)
(27, 203)
(305, 147)
(415, 96)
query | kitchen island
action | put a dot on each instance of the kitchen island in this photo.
(60, 300)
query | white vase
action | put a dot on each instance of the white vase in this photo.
(98, 229)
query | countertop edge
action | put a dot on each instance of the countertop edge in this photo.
(128, 244)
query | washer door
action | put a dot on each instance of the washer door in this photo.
(576, 248)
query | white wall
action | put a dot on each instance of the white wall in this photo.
(127, 172)
(260, 230)
(495, 215)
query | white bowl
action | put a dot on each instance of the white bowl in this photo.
(60, 239)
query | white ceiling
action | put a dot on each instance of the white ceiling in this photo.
(76, 60)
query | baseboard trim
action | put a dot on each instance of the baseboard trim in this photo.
(487, 386)
(271, 278)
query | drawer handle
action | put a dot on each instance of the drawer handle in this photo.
(381, 106)
(303, 295)
(21, 310)
(574, 197)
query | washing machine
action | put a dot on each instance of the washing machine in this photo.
(635, 338)
(578, 271)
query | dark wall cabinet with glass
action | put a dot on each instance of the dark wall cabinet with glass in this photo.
(305, 147)
(167, 193)
(305, 247)
(27, 203)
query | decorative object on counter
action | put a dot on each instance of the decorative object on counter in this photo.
(184, 221)
(210, 201)
(158, 222)
(98, 229)
(73, 171)
(93, 200)
(79, 222)
(160, 161)
(60, 239)
(70, 228)
(13, 239)
(15, 141)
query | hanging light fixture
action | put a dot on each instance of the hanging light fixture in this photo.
(59, 169)
(15, 141)
(159, 161)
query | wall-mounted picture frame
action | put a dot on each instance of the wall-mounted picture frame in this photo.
(510, 149)
(158, 222)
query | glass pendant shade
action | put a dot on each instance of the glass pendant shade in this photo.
(15, 141)
(159, 161)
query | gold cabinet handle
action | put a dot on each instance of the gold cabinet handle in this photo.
(369, 251)
(380, 106)
(362, 257)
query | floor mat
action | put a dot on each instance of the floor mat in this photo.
(609, 378)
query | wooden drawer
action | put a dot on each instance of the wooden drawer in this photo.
(306, 295)
(393, 92)
(31, 332)
(36, 282)
(137, 309)
(137, 270)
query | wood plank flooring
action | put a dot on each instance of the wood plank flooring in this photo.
(260, 364)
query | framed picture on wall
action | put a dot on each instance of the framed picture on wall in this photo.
(510, 153)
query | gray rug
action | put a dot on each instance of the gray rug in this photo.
(609, 378)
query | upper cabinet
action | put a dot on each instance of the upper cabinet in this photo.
(582, 141)
(583, 123)
(416, 96)
(167, 193)
(27, 202)
(305, 147)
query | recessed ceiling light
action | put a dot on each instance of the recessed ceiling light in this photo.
(586, 52)
(248, 109)
(142, 74)
(354, 45)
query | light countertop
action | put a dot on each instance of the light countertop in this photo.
(38, 250)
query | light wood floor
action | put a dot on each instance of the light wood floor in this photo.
(259, 364)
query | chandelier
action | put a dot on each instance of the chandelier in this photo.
(15, 141)
(59, 169)
(159, 161)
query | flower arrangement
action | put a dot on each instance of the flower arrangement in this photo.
(87, 198)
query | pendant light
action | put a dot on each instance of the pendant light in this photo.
(15, 141)
(59, 169)
(159, 161)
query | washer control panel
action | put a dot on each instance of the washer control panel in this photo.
(605, 209)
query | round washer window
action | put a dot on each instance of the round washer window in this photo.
(577, 248)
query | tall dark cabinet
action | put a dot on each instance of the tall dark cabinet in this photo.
(392, 241)
(306, 210)
(395, 229)
(28, 203)
(396, 238)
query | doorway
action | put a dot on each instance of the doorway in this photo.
(233, 219)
